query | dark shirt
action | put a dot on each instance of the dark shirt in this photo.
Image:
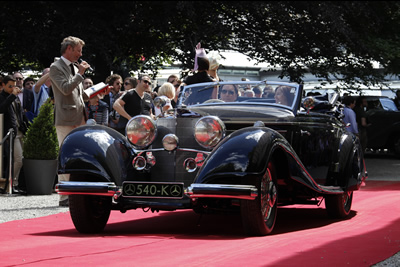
(198, 77)
(107, 100)
(201, 96)
(135, 105)
(397, 102)
(50, 92)
(360, 113)
(10, 119)
(28, 99)
(110, 98)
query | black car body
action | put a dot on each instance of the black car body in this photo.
(384, 119)
(247, 156)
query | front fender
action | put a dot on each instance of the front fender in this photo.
(96, 150)
(244, 152)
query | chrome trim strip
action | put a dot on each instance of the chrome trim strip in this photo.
(86, 188)
(179, 149)
(248, 192)
(108, 194)
(194, 150)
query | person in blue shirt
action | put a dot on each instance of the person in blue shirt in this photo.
(40, 93)
(349, 114)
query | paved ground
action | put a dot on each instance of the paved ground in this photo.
(382, 166)
(16, 207)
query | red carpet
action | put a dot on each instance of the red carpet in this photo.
(304, 236)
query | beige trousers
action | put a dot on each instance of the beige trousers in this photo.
(62, 132)
(18, 148)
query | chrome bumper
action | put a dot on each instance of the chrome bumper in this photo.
(87, 188)
(248, 192)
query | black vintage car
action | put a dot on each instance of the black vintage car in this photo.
(210, 155)
(384, 119)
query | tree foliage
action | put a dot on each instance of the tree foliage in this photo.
(40, 141)
(331, 39)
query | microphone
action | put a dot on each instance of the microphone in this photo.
(80, 61)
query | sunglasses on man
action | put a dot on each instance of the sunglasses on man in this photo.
(147, 82)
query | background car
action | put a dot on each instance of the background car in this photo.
(249, 155)
(384, 120)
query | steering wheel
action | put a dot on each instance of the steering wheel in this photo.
(213, 101)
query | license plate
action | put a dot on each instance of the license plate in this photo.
(152, 190)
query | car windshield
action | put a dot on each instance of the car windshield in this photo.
(280, 94)
(388, 104)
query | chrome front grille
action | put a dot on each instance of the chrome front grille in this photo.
(170, 165)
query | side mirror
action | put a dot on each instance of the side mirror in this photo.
(333, 98)
(309, 103)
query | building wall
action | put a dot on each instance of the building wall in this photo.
(235, 66)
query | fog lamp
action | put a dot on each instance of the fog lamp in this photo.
(170, 142)
(139, 163)
(190, 164)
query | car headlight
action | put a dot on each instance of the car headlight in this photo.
(208, 131)
(141, 131)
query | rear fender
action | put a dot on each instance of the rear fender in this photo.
(98, 151)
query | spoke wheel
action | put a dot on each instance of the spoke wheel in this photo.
(339, 206)
(259, 215)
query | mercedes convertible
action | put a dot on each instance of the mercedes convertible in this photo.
(222, 149)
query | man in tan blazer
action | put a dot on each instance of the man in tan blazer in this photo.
(66, 77)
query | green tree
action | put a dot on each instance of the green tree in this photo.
(331, 39)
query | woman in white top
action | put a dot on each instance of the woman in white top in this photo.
(167, 92)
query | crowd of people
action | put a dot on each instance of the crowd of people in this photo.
(64, 83)
(355, 117)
